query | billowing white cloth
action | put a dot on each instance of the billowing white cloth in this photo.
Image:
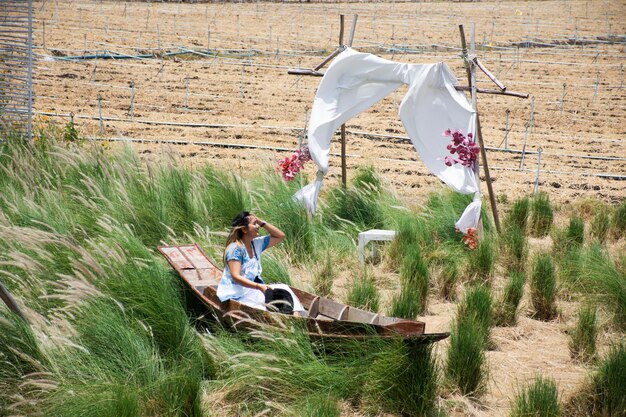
(356, 81)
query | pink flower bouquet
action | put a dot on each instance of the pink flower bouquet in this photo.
(291, 165)
(464, 147)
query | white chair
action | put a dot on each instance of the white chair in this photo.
(373, 236)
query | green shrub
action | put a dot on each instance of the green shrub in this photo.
(482, 260)
(582, 344)
(601, 225)
(541, 215)
(506, 311)
(466, 366)
(543, 288)
(363, 293)
(517, 217)
(541, 398)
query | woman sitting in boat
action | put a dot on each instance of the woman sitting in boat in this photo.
(241, 279)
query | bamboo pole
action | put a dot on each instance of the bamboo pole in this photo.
(470, 77)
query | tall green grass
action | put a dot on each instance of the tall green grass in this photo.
(517, 217)
(482, 261)
(363, 293)
(542, 215)
(582, 344)
(507, 309)
(324, 275)
(414, 285)
(619, 221)
(601, 225)
(543, 288)
(466, 366)
(592, 273)
(477, 304)
(603, 393)
(515, 248)
(540, 398)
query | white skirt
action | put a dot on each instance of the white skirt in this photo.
(256, 299)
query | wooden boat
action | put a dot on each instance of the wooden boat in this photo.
(325, 318)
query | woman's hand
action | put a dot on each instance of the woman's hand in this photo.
(263, 288)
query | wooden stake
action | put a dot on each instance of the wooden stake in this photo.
(344, 173)
(468, 68)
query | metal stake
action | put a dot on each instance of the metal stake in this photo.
(132, 99)
(521, 165)
(100, 114)
(538, 170)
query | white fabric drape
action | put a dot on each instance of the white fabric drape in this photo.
(356, 81)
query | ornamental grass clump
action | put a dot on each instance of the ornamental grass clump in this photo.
(482, 261)
(515, 247)
(543, 288)
(507, 309)
(402, 378)
(362, 292)
(619, 221)
(541, 215)
(414, 285)
(444, 268)
(592, 273)
(603, 393)
(518, 215)
(540, 398)
(411, 230)
(582, 344)
(324, 275)
(601, 225)
(477, 303)
(465, 364)
(575, 232)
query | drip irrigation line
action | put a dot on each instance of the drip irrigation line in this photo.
(203, 143)
(366, 135)
(282, 149)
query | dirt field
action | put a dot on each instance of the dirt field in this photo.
(235, 90)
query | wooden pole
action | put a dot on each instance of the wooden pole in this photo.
(469, 66)
(9, 301)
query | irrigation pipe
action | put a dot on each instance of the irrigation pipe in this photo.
(359, 133)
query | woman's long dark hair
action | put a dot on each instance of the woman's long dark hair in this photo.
(239, 224)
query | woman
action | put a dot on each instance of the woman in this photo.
(241, 279)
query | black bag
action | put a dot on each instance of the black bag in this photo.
(279, 300)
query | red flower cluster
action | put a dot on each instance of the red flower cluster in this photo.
(471, 238)
(464, 147)
(291, 165)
